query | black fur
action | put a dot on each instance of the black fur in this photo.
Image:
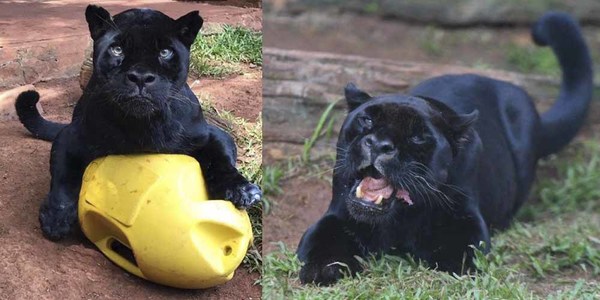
(465, 147)
(137, 101)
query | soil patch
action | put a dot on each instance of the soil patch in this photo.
(304, 202)
(240, 94)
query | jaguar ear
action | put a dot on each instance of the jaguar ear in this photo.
(354, 96)
(188, 27)
(99, 20)
(462, 122)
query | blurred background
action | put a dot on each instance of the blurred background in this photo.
(313, 48)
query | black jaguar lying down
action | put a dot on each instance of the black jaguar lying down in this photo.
(137, 101)
(434, 171)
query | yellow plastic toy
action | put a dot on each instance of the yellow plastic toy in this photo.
(150, 215)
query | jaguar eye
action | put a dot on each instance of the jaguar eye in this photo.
(116, 50)
(365, 122)
(166, 53)
(418, 139)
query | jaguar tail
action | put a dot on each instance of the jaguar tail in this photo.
(561, 123)
(31, 118)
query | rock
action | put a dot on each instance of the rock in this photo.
(25, 62)
(7, 102)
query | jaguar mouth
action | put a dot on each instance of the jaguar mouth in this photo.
(138, 106)
(374, 191)
(138, 100)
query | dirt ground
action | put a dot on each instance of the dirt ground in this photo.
(305, 201)
(33, 267)
(242, 97)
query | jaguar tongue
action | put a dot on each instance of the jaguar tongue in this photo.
(374, 190)
(402, 194)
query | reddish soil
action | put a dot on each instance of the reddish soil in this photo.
(304, 202)
(33, 267)
(242, 95)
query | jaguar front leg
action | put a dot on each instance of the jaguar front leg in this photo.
(223, 180)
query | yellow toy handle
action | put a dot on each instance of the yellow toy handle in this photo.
(118, 258)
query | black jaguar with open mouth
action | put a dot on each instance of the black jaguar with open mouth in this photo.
(373, 196)
(399, 148)
(377, 194)
(432, 172)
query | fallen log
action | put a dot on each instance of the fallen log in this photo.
(298, 85)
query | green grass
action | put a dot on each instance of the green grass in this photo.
(431, 41)
(323, 128)
(532, 59)
(578, 183)
(304, 164)
(248, 138)
(549, 253)
(371, 7)
(271, 180)
(554, 245)
(223, 53)
(271, 185)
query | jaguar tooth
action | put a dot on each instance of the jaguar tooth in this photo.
(379, 199)
(359, 192)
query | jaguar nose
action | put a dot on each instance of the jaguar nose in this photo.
(378, 146)
(140, 78)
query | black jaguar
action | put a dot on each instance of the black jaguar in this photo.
(432, 172)
(137, 101)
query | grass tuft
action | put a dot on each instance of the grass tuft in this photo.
(271, 184)
(431, 41)
(389, 278)
(573, 187)
(532, 59)
(578, 184)
(522, 258)
(222, 54)
(271, 181)
(324, 127)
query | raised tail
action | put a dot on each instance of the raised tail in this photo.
(31, 118)
(561, 123)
